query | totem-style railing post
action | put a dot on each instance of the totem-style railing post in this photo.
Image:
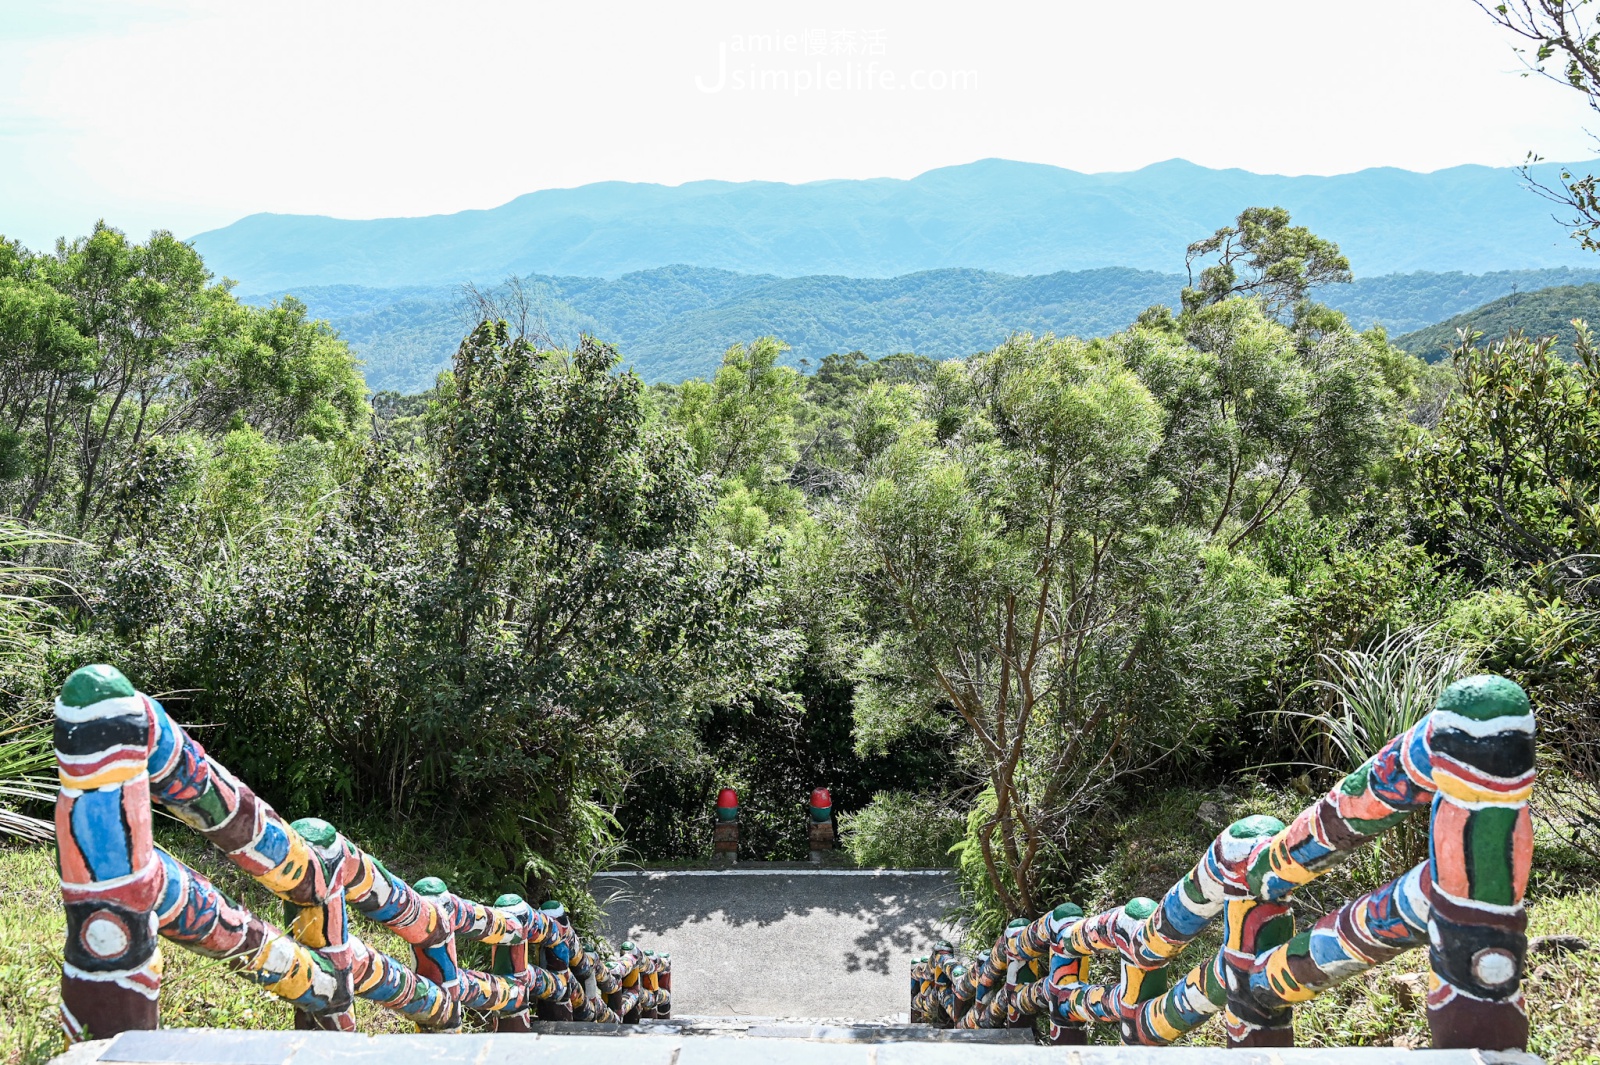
(110, 877)
(511, 962)
(435, 958)
(615, 999)
(1481, 754)
(652, 984)
(1029, 951)
(725, 833)
(1251, 928)
(118, 751)
(323, 923)
(1066, 967)
(945, 974)
(559, 1008)
(664, 981)
(1470, 763)
(819, 824)
(632, 984)
(1140, 983)
(998, 1011)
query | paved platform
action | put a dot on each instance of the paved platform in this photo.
(218, 1047)
(781, 942)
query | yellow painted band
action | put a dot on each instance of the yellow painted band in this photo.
(1160, 945)
(287, 874)
(365, 877)
(115, 773)
(1459, 789)
(297, 981)
(1286, 868)
(1157, 1018)
(1282, 982)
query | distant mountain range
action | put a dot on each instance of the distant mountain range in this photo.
(994, 215)
(675, 322)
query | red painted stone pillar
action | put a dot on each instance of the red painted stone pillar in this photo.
(725, 835)
(820, 824)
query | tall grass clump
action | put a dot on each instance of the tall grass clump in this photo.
(1378, 693)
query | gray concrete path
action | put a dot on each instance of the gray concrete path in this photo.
(784, 942)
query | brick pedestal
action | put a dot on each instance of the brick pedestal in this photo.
(725, 842)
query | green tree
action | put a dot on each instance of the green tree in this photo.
(511, 608)
(1019, 578)
(739, 424)
(111, 345)
(1263, 256)
(1259, 414)
(1512, 471)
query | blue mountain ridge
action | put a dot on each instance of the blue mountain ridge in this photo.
(994, 215)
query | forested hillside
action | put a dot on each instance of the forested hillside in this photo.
(1542, 312)
(997, 215)
(673, 323)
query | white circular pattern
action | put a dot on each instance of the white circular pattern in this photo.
(1494, 967)
(105, 936)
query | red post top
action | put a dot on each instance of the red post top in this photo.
(727, 798)
(821, 799)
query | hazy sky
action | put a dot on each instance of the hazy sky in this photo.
(187, 115)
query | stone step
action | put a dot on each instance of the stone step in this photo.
(198, 1046)
(767, 940)
(811, 1029)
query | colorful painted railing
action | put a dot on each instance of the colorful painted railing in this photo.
(117, 751)
(1469, 762)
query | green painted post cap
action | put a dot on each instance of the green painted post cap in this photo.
(1066, 910)
(430, 885)
(509, 900)
(91, 684)
(1482, 698)
(1257, 826)
(627, 945)
(316, 831)
(1018, 922)
(1139, 908)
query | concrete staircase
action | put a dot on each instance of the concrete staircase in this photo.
(777, 941)
(772, 965)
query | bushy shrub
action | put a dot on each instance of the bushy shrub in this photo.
(901, 830)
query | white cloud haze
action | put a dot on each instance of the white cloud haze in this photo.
(187, 115)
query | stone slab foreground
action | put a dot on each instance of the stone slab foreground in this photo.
(225, 1047)
(776, 942)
